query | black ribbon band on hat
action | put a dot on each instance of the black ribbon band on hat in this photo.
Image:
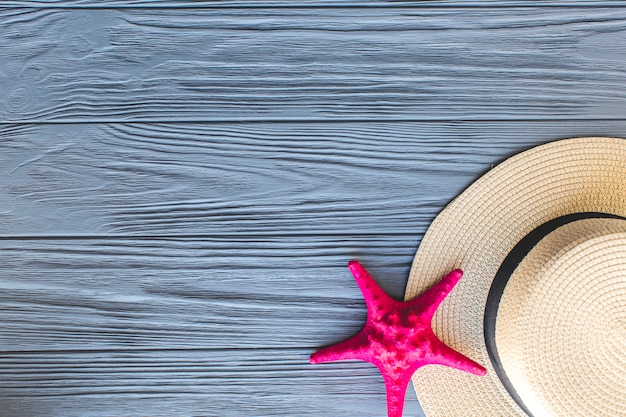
(501, 279)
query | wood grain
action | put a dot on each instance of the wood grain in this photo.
(261, 179)
(233, 4)
(188, 326)
(312, 64)
(182, 183)
(189, 293)
(189, 383)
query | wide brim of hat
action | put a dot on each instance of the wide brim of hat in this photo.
(477, 231)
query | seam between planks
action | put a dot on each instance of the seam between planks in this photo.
(212, 236)
(310, 120)
(259, 5)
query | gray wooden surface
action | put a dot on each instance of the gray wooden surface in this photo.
(183, 183)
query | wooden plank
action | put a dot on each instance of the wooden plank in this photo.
(224, 327)
(260, 179)
(92, 294)
(312, 64)
(214, 4)
(91, 4)
(230, 383)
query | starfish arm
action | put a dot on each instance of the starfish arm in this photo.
(374, 296)
(445, 355)
(396, 391)
(353, 348)
(429, 301)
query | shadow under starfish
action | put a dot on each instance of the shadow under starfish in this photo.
(397, 337)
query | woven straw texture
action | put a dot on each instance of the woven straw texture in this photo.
(560, 327)
(478, 229)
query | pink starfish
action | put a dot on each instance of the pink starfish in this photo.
(398, 337)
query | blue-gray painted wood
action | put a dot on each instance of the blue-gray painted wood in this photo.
(188, 326)
(260, 179)
(182, 184)
(291, 4)
(312, 64)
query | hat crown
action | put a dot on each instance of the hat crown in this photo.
(560, 328)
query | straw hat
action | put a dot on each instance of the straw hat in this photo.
(542, 305)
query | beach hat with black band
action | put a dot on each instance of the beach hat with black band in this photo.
(541, 239)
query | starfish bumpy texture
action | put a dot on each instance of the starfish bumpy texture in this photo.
(397, 337)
